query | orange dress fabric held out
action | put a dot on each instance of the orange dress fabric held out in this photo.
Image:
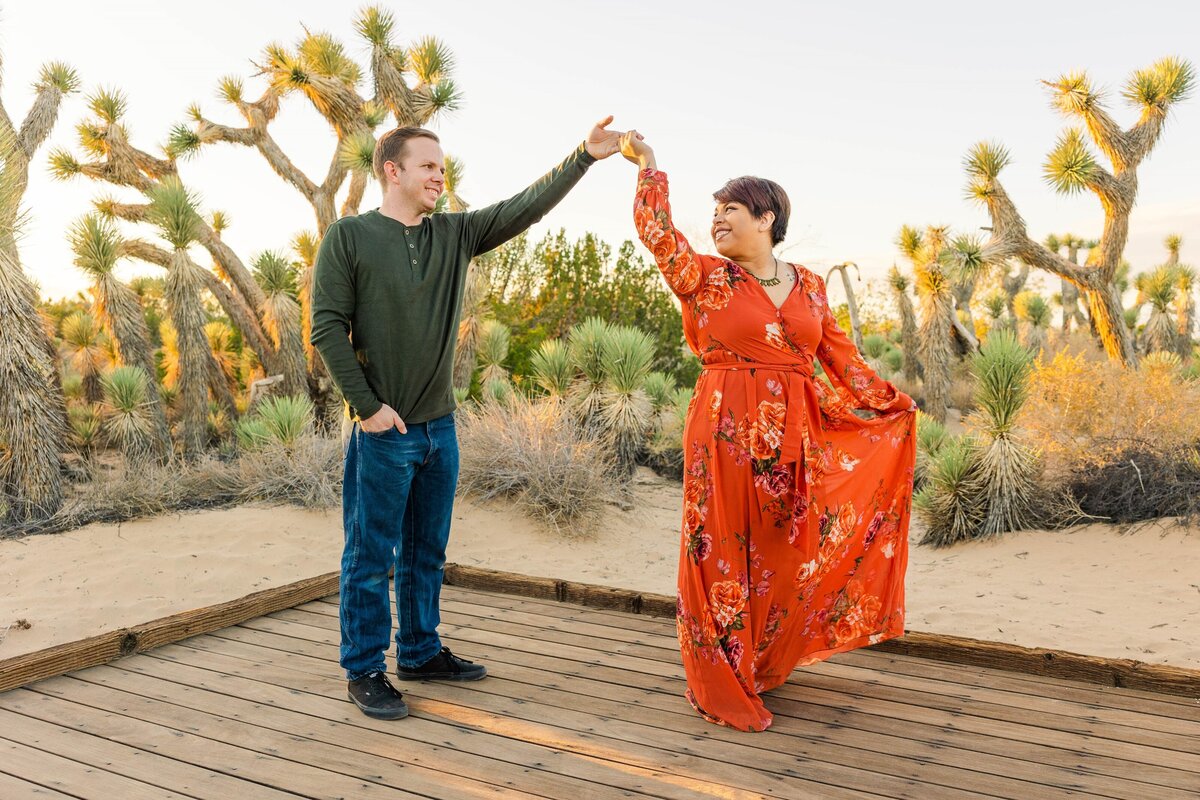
(795, 518)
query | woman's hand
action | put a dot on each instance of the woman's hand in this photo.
(636, 151)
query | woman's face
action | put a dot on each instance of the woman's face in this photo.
(737, 233)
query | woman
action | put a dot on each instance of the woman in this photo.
(795, 520)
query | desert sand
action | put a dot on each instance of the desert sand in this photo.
(1093, 589)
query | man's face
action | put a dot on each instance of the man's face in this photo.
(420, 175)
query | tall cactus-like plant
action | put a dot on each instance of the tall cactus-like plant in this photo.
(1071, 167)
(98, 246)
(1159, 289)
(281, 319)
(172, 209)
(898, 282)
(935, 348)
(33, 416)
(851, 302)
(1033, 310)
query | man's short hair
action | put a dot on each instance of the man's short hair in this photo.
(391, 146)
(760, 196)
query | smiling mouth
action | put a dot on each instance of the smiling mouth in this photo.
(719, 235)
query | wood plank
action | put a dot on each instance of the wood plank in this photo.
(270, 760)
(28, 667)
(582, 770)
(96, 751)
(74, 779)
(661, 749)
(936, 737)
(16, 789)
(955, 649)
(983, 702)
(637, 668)
(557, 705)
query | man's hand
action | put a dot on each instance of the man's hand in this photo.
(386, 417)
(634, 148)
(603, 143)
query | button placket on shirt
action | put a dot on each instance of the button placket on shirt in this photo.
(413, 255)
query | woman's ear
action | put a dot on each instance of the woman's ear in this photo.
(766, 221)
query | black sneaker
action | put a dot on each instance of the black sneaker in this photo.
(445, 666)
(377, 698)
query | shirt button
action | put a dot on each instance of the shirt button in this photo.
(412, 246)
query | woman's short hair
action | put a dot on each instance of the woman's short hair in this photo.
(392, 144)
(760, 196)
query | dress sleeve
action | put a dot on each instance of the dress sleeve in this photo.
(676, 260)
(851, 376)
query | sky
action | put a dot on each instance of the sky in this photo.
(862, 111)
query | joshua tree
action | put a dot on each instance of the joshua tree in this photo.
(317, 68)
(1034, 311)
(172, 209)
(855, 326)
(1070, 168)
(33, 417)
(1185, 304)
(908, 323)
(98, 247)
(1070, 292)
(84, 348)
(281, 318)
(1159, 288)
(927, 252)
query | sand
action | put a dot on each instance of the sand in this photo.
(1093, 589)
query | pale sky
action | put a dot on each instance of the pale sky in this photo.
(862, 112)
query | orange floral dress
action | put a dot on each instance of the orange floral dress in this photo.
(795, 512)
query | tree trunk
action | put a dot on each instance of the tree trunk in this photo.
(1108, 315)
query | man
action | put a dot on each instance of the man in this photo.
(387, 292)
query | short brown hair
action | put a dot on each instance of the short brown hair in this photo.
(760, 196)
(391, 145)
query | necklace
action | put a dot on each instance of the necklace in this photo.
(771, 281)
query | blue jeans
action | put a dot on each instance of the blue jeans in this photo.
(397, 499)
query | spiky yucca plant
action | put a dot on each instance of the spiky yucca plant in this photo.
(948, 503)
(497, 390)
(1005, 466)
(625, 410)
(85, 348)
(1185, 305)
(494, 338)
(552, 369)
(287, 417)
(1034, 311)
(252, 433)
(128, 412)
(659, 387)
(281, 319)
(585, 346)
(86, 427)
(931, 436)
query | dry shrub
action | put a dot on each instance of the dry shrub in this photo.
(308, 474)
(1140, 485)
(535, 452)
(962, 394)
(1084, 412)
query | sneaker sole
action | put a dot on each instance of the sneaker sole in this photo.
(398, 713)
(442, 676)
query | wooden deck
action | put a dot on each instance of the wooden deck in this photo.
(581, 703)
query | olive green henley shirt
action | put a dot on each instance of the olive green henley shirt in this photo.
(387, 296)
